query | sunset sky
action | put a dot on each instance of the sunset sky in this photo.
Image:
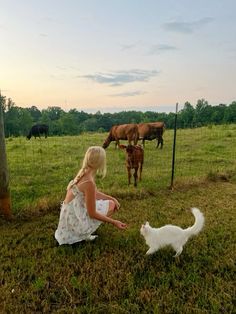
(113, 55)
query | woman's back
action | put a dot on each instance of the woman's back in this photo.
(75, 225)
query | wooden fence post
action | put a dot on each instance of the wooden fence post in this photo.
(5, 198)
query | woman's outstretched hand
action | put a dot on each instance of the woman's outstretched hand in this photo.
(119, 224)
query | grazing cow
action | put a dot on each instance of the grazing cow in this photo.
(38, 129)
(134, 160)
(150, 131)
(122, 132)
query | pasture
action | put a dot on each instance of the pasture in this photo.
(112, 274)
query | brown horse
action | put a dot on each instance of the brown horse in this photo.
(122, 132)
(150, 131)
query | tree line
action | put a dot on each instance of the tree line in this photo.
(18, 121)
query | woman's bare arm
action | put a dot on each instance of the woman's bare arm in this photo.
(103, 196)
(90, 200)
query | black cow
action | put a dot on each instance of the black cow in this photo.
(38, 129)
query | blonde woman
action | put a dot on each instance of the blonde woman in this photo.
(84, 207)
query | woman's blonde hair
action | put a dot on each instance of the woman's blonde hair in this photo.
(95, 158)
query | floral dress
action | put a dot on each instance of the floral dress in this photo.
(75, 225)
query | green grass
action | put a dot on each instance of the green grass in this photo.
(41, 169)
(112, 274)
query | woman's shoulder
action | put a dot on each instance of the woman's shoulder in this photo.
(86, 181)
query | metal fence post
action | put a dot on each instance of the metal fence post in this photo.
(174, 146)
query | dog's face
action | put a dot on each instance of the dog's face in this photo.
(144, 229)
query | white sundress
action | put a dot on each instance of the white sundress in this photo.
(75, 225)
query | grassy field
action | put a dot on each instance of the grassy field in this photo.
(112, 274)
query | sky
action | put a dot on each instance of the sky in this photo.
(114, 55)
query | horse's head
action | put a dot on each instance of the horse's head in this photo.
(106, 143)
(108, 140)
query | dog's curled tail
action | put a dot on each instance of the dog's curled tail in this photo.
(199, 222)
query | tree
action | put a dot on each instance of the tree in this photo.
(218, 114)
(202, 113)
(90, 125)
(69, 125)
(12, 120)
(187, 115)
(171, 120)
(45, 117)
(25, 121)
(18, 120)
(230, 113)
(35, 113)
(54, 113)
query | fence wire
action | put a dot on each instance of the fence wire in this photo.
(41, 168)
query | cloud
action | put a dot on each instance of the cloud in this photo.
(43, 35)
(130, 46)
(128, 94)
(187, 27)
(61, 68)
(119, 78)
(156, 49)
(48, 19)
(57, 77)
(68, 68)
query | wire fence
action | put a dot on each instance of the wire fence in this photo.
(205, 151)
(41, 168)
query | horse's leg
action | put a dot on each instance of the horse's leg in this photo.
(140, 171)
(129, 140)
(135, 175)
(136, 137)
(143, 142)
(161, 142)
(129, 174)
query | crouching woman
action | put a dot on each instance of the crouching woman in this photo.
(84, 207)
